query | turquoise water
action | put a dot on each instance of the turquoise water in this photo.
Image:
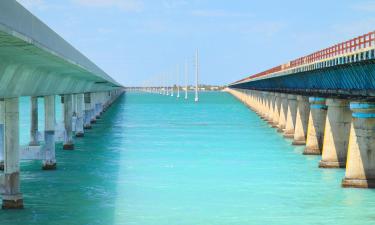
(156, 160)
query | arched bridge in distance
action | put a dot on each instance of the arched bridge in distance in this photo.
(36, 62)
(325, 101)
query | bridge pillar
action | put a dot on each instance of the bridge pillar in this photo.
(302, 120)
(80, 114)
(264, 105)
(49, 162)
(68, 114)
(283, 112)
(87, 119)
(93, 107)
(360, 165)
(12, 197)
(336, 134)
(291, 116)
(34, 122)
(271, 106)
(276, 110)
(315, 129)
(2, 127)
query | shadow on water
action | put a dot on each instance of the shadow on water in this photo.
(83, 188)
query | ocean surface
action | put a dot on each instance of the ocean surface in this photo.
(156, 160)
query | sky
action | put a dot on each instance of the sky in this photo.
(138, 42)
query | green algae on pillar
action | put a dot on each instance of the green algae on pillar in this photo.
(360, 164)
(336, 134)
(315, 130)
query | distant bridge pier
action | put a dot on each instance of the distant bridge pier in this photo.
(34, 136)
(302, 120)
(316, 125)
(276, 111)
(360, 167)
(87, 117)
(68, 114)
(265, 104)
(80, 115)
(12, 197)
(291, 116)
(271, 106)
(2, 134)
(93, 108)
(336, 134)
(283, 112)
(49, 161)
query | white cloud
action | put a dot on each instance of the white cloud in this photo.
(219, 13)
(126, 5)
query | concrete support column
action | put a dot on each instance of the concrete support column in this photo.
(283, 112)
(271, 107)
(49, 162)
(80, 114)
(93, 107)
(87, 119)
(68, 113)
(336, 134)
(34, 122)
(276, 111)
(316, 126)
(12, 197)
(2, 135)
(265, 103)
(302, 120)
(291, 116)
(360, 165)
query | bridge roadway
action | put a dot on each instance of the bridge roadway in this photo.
(37, 62)
(326, 101)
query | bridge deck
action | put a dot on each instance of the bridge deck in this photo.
(34, 60)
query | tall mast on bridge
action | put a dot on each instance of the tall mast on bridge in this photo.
(172, 85)
(178, 81)
(186, 79)
(196, 75)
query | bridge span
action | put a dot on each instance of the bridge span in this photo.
(37, 62)
(326, 101)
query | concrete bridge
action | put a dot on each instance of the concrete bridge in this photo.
(325, 101)
(36, 62)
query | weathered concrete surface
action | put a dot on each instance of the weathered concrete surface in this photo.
(315, 130)
(360, 166)
(336, 134)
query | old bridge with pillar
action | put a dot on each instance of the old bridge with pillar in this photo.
(326, 101)
(36, 62)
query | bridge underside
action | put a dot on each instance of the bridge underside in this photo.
(30, 70)
(356, 80)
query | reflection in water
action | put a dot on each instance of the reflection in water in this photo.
(156, 160)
